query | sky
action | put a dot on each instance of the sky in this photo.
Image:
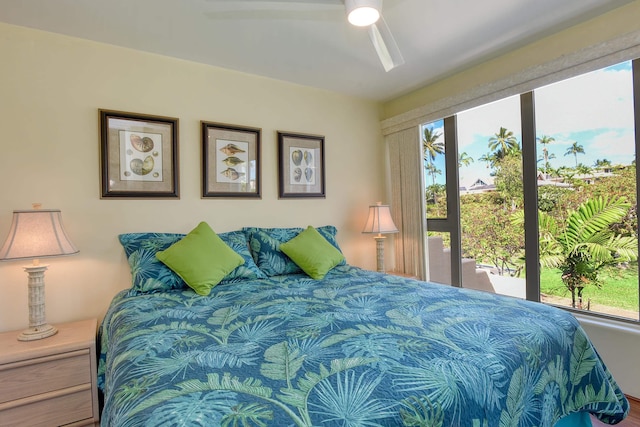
(594, 109)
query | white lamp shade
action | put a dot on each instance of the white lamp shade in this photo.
(362, 13)
(380, 220)
(36, 234)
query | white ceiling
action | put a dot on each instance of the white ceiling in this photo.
(310, 43)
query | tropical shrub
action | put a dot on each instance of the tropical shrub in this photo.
(488, 235)
(584, 242)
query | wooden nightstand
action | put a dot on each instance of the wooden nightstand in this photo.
(52, 381)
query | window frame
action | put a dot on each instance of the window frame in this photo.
(451, 224)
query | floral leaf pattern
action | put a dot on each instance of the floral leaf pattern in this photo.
(357, 348)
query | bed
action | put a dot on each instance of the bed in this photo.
(271, 346)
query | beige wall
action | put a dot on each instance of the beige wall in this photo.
(51, 88)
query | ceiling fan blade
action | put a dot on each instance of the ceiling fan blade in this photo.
(309, 10)
(275, 2)
(385, 45)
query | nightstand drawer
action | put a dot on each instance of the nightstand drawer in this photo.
(51, 381)
(45, 374)
(50, 409)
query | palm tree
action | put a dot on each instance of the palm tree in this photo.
(583, 169)
(430, 149)
(553, 171)
(602, 164)
(464, 159)
(433, 171)
(503, 142)
(546, 168)
(545, 140)
(430, 145)
(585, 243)
(574, 150)
(488, 158)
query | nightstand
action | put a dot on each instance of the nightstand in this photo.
(52, 381)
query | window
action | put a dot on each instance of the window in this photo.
(549, 161)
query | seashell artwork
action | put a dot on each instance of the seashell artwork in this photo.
(232, 174)
(233, 161)
(297, 174)
(308, 157)
(142, 167)
(144, 145)
(308, 174)
(231, 149)
(296, 157)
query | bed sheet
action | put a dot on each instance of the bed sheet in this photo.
(357, 348)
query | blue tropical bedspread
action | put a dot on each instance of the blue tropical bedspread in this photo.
(357, 348)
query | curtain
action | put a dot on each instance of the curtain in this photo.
(407, 201)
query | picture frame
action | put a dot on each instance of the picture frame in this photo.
(139, 155)
(301, 165)
(230, 160)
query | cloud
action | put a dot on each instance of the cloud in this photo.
(481, 123)
(590, 102)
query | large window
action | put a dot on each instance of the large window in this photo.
(550, 174)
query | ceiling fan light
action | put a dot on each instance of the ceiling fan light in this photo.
(362, 13)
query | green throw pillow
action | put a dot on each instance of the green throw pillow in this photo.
(201, 259)
(312, 253)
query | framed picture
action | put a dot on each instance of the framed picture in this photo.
(230, 160)
(301, 165)
(139, 155)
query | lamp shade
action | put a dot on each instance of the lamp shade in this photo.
(380, 220)
(362, 13)
(36, 233)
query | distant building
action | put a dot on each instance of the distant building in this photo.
(555, 181)
(486, 184)
(479, 185)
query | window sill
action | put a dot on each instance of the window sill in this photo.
(604, 322)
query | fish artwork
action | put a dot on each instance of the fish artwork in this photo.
(232, 161)
(231, 149)
(232, 174)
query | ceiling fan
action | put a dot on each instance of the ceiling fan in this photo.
(361, 13)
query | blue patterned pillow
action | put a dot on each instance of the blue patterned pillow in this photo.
(147, 272)
(265, 247)
(237, 241)
(151, 275)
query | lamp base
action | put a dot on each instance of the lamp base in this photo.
(38, 333)
(380, 252)
(38, 326)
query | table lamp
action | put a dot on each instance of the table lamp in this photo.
(35, 234)
(379, 222)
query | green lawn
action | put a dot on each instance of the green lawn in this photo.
(619, 287)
